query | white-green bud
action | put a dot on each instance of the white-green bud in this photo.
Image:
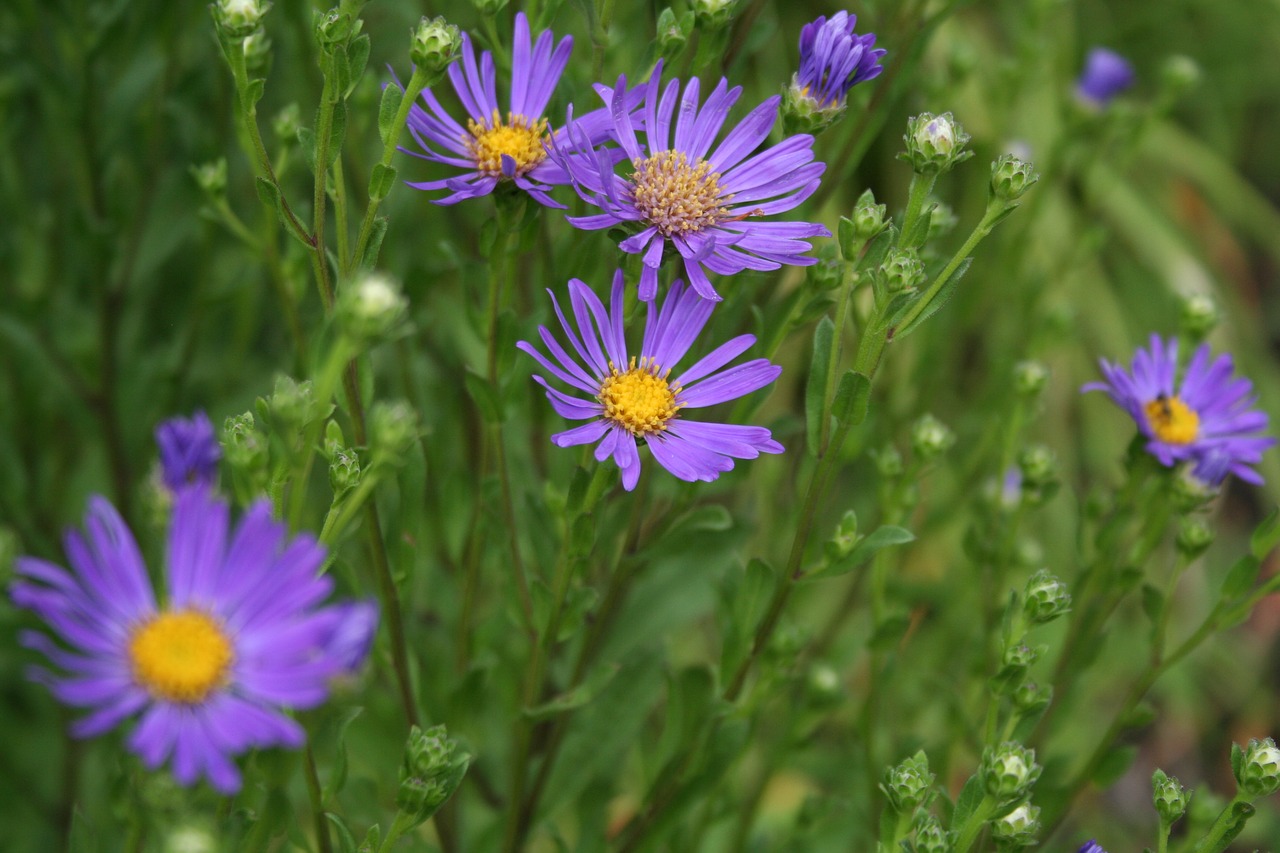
(714, 14)
(1030, 698)
(869, 218)
(211, 177)
(236, 19)
(1011, 178)
(371, 306)
(191, 839)
(435, 44)
(1180, 74)
(909, 784)
(1030, 377)
(393, 427)
(1169, 796)
(1194, 536)
(673, 33)
(935, 143)
(930, 437)
(1045, 598)
(1038, 465)
(901, 270)
(1199, 316)
(286, 123)
(888, 462)
(432, 770)
(1256, 768)
(292, 404)
(1008, 771)
(931, 837)
(257, 53)
(1017, 829)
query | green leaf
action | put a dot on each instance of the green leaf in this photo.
(919, 229)
(372, 840)
(1114, 765)
(253, 91)
(852, 396)
(337, 133)
(969, 801)
(370, 259)
(1266, 536)
(357, 59)
(338, 777)
(881, 538)
(576, 697)
(879, 247)
(392, 95)
(939, 299)
(346, 841)
(81, 838)
(381, 180)
(1240, 579)
(485, 397)
(307, 142)
(1152, 601)
(889, 632)
(815, 391)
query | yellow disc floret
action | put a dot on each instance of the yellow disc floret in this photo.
(519, 138)
(676, 197)
(1172, 420)
(180, 656)
(639, 399)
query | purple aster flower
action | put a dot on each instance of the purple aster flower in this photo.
(833, 59)
(679, 191)
(241, 634)
(1091, 846)
(630, 398)
(1207, 418)
(189, 451)
(1106, 74)
(490, 148)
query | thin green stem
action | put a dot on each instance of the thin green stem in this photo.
(324, 129)
(837, 346)
(316, 796)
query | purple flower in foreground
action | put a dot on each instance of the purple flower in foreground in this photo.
(631, 398)
(189, 451)
(679, 191)
(1091, 846)
(240, 637)
(1206, 419)
(1106, 74)
(490, 148)
(833, 59)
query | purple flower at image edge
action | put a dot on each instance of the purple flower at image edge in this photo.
(189, 451)
(681, 193)
(833, 59)
(242, 636)
(633, 398)
(492, 148)
(1105, 75)
(1207, 418)
(1091, 846)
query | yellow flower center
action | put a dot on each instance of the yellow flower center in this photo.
(1172, 420)
(639, 399)
(180, 656)
(519, 138)
(676, 197)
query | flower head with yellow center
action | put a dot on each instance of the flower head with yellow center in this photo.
(679, 189)
(631, 399)
(1202, 415)
(492, 145)
(242, 637)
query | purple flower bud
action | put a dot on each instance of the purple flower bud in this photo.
(1106, 74)
(189, 451)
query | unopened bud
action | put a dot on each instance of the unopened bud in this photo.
(902, 270)
(236, 19)
(1011, 178)
(934, 143)
(1169, 796)
(1257, 767)
(1045, 598)
(1029, 378)
(344, 471)
(1017, 829)
(931, 837)
(1030, 698)
(191, 839)
(433, 768)
(888, 462)
(1194, 537)
(930, 437)
(292, 404)
(909, 784)
(714, 14)
(1199, 316)
(1008, 771)
(211, 177)
(869, 218)
(1180, 74)
(673, 33)
(371, 306)
(1038, 465)
(436, 43)
(393, 427)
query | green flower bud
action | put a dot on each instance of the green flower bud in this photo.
(211, 177)
(909, 785)
(673, 33)
(1031, 698)
(714, 14)
(1011, 178)
(292, 404)
(1199, 316)
(257, 53)
(823, 683)
(1045, 598)
(1008, 771)
(1169, 796)
(191, 839)
(1021, 656)
(236, 19)
(1017, 829)
(930, 437)
(901, 270)
(845, 538)
(393, 427)
(1194, 536)
(370, 307)
(1189, 491)
(1029, 378)
(869, 218)
(489, 7)
(344, 471)
(435, 44)
(433, 768)
(245, 450)
(888, 462)
(1257, 770)
(1038, 465)
(931, 837)
(286, 123)
(1180, 74)
(934, 143)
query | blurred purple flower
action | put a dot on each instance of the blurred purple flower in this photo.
(1106, 74)
(241, 637)
(630, 399)
(189, 451)
(833, 59)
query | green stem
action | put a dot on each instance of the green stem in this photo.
(324, 129)
(837, 346)
(921, 186)
(330, 375)
(316, 795)
(1224, 828)
(973, 826)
